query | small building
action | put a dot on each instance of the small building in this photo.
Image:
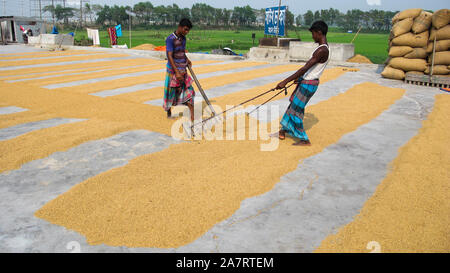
(10, 31)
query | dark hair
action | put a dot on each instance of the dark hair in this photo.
(319, 26)
(185, 22)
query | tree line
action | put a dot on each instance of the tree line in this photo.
(376, 20)
(205, 15)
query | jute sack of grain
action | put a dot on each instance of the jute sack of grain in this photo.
(395, 18)
(392, 73)
(402, 27)
(409, 13)
(442, 45)
(440, 34)
(400, 51)
(414, 73)
(442, 57)
(438, 70)
(412, 40)
(417, 53)
(408, 64)
(441, 18)
(422, 22)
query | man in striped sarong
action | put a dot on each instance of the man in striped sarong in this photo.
(308, 80)
(178, 87)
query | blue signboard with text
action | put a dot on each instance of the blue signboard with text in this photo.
(275, 25)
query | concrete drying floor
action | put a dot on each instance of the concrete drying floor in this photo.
(82, 134)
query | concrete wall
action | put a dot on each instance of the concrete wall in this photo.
(270, 54)
(302, 51)
(52, 39)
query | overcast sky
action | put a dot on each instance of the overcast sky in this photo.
(15, 7)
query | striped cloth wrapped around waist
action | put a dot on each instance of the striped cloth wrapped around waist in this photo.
(308, 82)
(301, 82)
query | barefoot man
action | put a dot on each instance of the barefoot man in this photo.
(178, 87)
(308, 80)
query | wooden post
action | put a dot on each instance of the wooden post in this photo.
(432, 61)
(356, 34)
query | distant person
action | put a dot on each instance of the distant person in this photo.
(178, 88)
(26, 34)
(308, 80)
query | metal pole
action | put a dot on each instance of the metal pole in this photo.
(53, 13)
(130, 28)
(81, 13)
(278, 20)
(286, 34)
(40, 10)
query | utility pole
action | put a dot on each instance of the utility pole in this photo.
(278, 20)
(40, 10)
(130, 14)
(53, 13)
(130, 28)
(81, 13)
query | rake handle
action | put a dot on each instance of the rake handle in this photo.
(201, 90)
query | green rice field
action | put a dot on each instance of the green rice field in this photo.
(373, 46)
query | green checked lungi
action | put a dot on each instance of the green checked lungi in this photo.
(292, 121)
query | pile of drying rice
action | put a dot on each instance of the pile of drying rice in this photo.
(359, 59)
(145, 47)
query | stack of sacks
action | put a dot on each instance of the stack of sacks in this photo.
(408, 44)
(440, 31)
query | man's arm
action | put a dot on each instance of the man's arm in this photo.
(320, 55)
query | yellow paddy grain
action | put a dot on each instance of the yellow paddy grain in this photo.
(170, 198)
(25, 72)
(156, 66)
(45, 104)
(23, 117)
(41, 143)
(119, 83)
(238, 97)
(46, 54)
(410, 210)
(359, 59)
(93, 75)
(61, 60)
(208, 83)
